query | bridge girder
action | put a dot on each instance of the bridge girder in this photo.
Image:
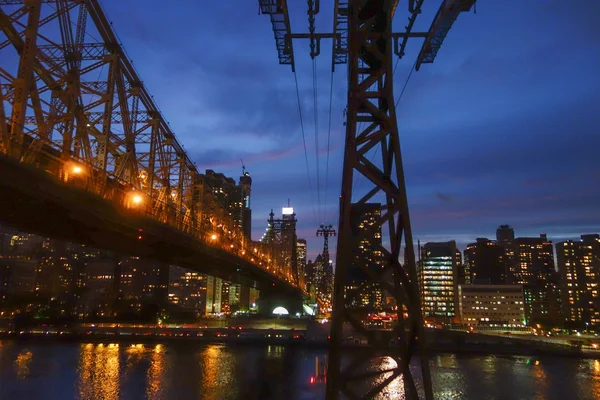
(72, 104)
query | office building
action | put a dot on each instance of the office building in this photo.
(505, 236)
(492, 305)
(187, 289)
(361, 291)
(301, 258)
(534, 258)
(229, 204)
(438, 281)
(214, 290)
(580, 274)
(543, 302)
(245, 220)
(535, 270)
(484, 260)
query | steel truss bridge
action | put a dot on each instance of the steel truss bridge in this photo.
(87, 156)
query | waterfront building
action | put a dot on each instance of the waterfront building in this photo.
(484, 260)
(438, 277)
(361, 291)
(579, 268)
(492, 305)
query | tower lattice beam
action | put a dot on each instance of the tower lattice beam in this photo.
(371, 124)
(362, 37)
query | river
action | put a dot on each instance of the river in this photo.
(179, 371)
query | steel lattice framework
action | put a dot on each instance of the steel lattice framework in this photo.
(363, 38)
(72, 104)
(372, 123)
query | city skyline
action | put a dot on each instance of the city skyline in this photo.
(493, 132)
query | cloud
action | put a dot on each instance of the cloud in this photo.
(502, 128)
(446, 198)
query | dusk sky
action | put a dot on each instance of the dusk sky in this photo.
(504, 127)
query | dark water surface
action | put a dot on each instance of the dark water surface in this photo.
(65, 371)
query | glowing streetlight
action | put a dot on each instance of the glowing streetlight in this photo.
(213, 237)
(77, 170)
(137, 199)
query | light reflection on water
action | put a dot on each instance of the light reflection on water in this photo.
(64, 371)
(22, 363)
(98, 372)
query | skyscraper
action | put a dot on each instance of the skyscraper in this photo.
(187, 289)
(534, 269)
(229, 203)
(534, 259)
(361, 291)
(505, 236)
(438, 281)
(245, 221)
(484, 260)
(580, 278)
(301, 258)
(282, 240)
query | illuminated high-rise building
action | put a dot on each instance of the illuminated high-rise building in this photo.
(214, 291)
(361, 291)
(245, 220)
(229, 203)
(534, 259)
(580, 276)
(438, 276)
(534, 269)
(301, 258)
(281, 237)
(187, 289)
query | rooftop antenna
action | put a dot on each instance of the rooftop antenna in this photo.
(243, 167)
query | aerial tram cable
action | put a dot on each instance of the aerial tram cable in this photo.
(312, 199)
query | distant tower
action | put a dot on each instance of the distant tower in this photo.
(281, 236)
(245, 210)
(505, 234)
(324, 269)
(301, 259)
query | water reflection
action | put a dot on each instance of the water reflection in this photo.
(275, 351)
(541, 379)
(395, 388)
(218, 367)
(22, 363)
(98, 372)
(156, 373)
(221, 372)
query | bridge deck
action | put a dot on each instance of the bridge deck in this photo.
(38, 202)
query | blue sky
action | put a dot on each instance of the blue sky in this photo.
(504, 127)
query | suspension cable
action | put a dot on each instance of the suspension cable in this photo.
(328, 140)
(312, 199)
(316, 122)
(405, 83)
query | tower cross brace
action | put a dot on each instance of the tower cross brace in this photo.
(362, 36)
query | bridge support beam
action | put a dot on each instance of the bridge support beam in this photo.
(273, 303)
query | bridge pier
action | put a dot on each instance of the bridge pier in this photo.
(275, 303)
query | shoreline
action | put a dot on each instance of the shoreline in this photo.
(433, 350)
